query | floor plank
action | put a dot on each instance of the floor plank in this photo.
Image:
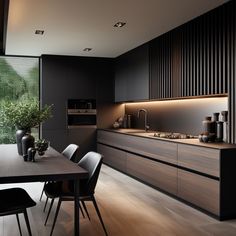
(128, 207)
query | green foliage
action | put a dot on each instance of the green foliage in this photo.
(41, 144)
(12, 85)
(23, 114)
(19, 81)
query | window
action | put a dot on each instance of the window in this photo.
(19, 79)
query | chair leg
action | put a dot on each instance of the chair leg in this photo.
(81, 209)
(45, 205)
(18, 222)
(85, 208)
(56, 214)
(99, 215)
(27, 222)
(52, 201)
(42, 192)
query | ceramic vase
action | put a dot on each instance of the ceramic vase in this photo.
(19, 135)
(27, 142)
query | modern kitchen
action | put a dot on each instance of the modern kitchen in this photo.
(159, 109)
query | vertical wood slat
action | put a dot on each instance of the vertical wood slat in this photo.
(203, 62)
(232, 73)
(204, 56)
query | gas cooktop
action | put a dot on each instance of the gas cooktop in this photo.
(170, 135)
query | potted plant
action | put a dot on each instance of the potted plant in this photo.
(41, 146)
(24, 115)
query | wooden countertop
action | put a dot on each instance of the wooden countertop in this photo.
(189, 141)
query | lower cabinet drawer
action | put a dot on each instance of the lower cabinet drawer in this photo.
(113, 157)
(199, 190)
(205, 160)
(152, 172)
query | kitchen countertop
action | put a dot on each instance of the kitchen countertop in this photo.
(189, 141)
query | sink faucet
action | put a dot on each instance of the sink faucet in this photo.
(145, 118)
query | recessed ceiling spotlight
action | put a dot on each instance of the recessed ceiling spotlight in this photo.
(119, 24)
(87, 49)
(41, 32)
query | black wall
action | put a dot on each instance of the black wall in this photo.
(67, 77)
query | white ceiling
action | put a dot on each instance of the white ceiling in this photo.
(72, 25)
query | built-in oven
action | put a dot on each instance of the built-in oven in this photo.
(81, 112)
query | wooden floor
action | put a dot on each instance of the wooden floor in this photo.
(128, 208)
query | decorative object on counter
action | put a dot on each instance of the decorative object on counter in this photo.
(41, 146)
(219, 131)
(129, 121)
(208, 125)
(209, 128)
(123, 122)
(24, 115)
(225, 126)
(216, 116)
(203, 138)
(118, 123)
(215, 119)
(27, 142)
(126, 124)
(207, 137)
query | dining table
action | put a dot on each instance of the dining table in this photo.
(52, 166)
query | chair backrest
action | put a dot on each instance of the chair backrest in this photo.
(91, 162)
(70, 151)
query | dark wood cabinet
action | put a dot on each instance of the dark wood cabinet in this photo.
(155, 149)
(199, 190)
(113, 157)
(201, 174)
(132, 75)
(204, 160)
(155, 173)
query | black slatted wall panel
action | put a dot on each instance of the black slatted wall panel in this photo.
(194, 58)
(205, 55)
(160, 52)
(198, 59)
(231, 67)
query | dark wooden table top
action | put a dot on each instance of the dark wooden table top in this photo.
(51, 166)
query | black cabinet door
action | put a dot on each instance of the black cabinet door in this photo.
(132, 75)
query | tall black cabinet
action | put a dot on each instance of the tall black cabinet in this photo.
(67, 77)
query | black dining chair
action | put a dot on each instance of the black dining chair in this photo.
(91, 162)
(14, 201)
(69, 152)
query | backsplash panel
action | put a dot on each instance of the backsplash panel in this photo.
(184, 116)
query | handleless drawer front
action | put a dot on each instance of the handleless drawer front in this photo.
(154, 173)
(160, 150)
(113, 157)
(199, 190)
(111, 138)
(156, 149)
(201, 159)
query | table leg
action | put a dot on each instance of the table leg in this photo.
(76, 207)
